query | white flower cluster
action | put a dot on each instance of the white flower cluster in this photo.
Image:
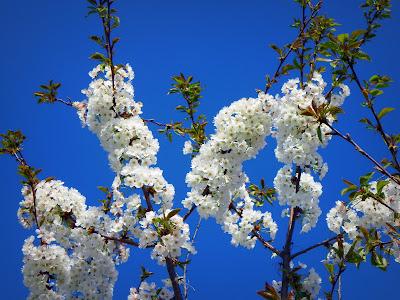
(83, 239)
(114, 117)
(307, 198)
(333, 257)
(174, 235)
(187, 148)
(368, 213)
(53, 200)
(296, 134)
(312, 284)
(217, 178)
(132, 152)
(69, 261)
(298, 142)
(240, 227)
(147, 291)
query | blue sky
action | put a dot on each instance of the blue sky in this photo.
(222, 43)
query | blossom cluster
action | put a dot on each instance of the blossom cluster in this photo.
(310, 285)
(80, 245)
(217, 179)
(150, 291)
(114, 117)
(298, 142)
(366, 212)
(306, 198)
(296, 133)
(132, 153)
(174, 235)
(70, 261)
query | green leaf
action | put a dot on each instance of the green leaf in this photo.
(97, 40)
(173, 213)
(378, 261)
(348, 189)
(343, 37)
(277, 49)
(374, 78)
(376, 92)
(97, 56)
(366, 178)
(384, 112)
(145, 273)
(103, 189)
(362, 55)
(324, 59)
(356, 33)
(115, 40)
(330, 268)
(380, 185)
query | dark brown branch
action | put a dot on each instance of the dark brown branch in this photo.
(187, 215)
(121, 240)
(301, 58)
(286, 255)
(147, 198)
(174, 278)
(155, 122)
(323, 243)
(264, 242)
(342, 268)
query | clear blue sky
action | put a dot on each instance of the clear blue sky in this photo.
(224, 44)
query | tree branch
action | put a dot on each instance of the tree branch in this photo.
(349, 139)
(291, 48)
(323, 243)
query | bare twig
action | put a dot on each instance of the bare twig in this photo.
(349, 139)
(323, 243)
(187, 215)
(185, 286)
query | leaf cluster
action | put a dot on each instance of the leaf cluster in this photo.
(11, 142)
(261, 193)
(191, 93)
(48, 92)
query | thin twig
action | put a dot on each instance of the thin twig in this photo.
(349, 139)
(379, 126)
(291, 48)
(185, 286)
(342, 268)
(323, 243)
(187, 215)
